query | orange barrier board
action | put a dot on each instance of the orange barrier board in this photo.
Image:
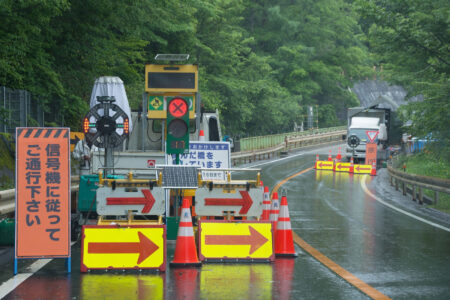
(42, 193)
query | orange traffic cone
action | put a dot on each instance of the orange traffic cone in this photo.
(373, 172)
(339, 156)
(329, 157)
(274, 211)
(284, 242)
(201, 136)
(350, 170)
(185, 248)
(266, 205)
(317, 160)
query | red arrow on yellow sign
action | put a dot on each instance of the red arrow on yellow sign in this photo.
(144, 247)
(325, 165)
(255, 240)
(358, 168)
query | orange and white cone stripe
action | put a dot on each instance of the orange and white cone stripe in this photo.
(266, 205)
(274, 211)
(373, 172)
(284, 242)
(201, 136)
(339, 156)
(185, 248)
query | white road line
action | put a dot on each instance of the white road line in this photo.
(288, 157)
(366, 190)
(9, 285)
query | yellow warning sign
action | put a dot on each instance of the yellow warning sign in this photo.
(362, 169)
(324, 165)
(342, 167)
(130, 247)
(75, 137)
(157, 102)
(235, 240)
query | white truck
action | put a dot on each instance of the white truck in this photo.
(362, 123)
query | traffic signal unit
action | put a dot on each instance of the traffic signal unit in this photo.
(171, 95)
(177, 141)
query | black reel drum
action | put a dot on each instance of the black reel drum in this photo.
(106, 125)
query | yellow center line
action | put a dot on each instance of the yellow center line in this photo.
(340, 271)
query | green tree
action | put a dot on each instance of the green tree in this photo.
(411, 40)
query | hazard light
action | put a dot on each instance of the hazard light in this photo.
(86, 125)
(126, 126)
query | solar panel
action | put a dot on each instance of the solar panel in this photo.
(179, 177)
(172, 57)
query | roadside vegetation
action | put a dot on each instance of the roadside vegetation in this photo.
(262, 63)
(427, 164)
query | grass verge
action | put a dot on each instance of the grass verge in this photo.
(426, 164)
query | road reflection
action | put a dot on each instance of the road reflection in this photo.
(283, 273)
(186, 283)
(43, 287)
(128, 286)
(236, 281)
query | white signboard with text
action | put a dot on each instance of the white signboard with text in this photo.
(206, 155)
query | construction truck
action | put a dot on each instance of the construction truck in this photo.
(367, 125)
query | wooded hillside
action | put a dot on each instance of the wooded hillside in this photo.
(261, 62)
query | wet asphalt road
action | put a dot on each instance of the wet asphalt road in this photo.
(400, 256)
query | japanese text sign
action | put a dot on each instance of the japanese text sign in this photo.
(42, 192)
(208, 155)
(371, 153)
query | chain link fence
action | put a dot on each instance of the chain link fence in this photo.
(18, 108)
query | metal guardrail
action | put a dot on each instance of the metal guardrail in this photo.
(8, 197)
(284, 142)
(288, 143)
(418, 183)
(268, 141)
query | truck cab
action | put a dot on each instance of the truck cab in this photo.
(363, 122)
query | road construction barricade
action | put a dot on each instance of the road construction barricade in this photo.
(338, 166)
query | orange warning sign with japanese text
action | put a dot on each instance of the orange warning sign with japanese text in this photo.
(371, 153)
(42, 192)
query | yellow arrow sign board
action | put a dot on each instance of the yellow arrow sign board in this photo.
(128, 247)
(362, 169)
(324, 165)
(342, 167)
(243, 240)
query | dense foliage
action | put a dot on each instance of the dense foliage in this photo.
(262, 62)
(411, 39)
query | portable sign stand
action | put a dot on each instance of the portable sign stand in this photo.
(371, 147)
(42, 194)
